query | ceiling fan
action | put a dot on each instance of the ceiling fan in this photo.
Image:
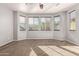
(41, 5)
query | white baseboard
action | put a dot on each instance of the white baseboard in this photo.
(6, 43)
(72, 42)
(39, 38)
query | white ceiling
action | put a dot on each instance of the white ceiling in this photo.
(34, 7)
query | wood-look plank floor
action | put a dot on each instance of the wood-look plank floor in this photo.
(45, 47)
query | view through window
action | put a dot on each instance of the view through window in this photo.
(39, 24)
(56, 23)
(22, 23)
(73, 20)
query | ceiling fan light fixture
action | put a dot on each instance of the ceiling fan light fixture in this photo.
(41, 6)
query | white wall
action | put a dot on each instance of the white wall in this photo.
(6, 25)
(73, 36)
(40, 34)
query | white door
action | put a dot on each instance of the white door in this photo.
(22, 33)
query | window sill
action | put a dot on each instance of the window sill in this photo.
(56, 30)
(72, 30)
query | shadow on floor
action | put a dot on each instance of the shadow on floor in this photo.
(39, 51)
(23, 48)
(77, 54)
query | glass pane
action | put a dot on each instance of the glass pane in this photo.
(43, 20)
(21, 19)
(22, 24)
(57, 23)
(73, 20)
(30, 21)
(73, 25)
(48, 24)
(43, 24)
(30, 24)
(36, 21)
(34, 24)
(22, 27)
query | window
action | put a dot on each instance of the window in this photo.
(45, 24)
(72, 20)
(48, 24)
(22, 24)
(39, 24)
(34, 24)
(56, 23)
